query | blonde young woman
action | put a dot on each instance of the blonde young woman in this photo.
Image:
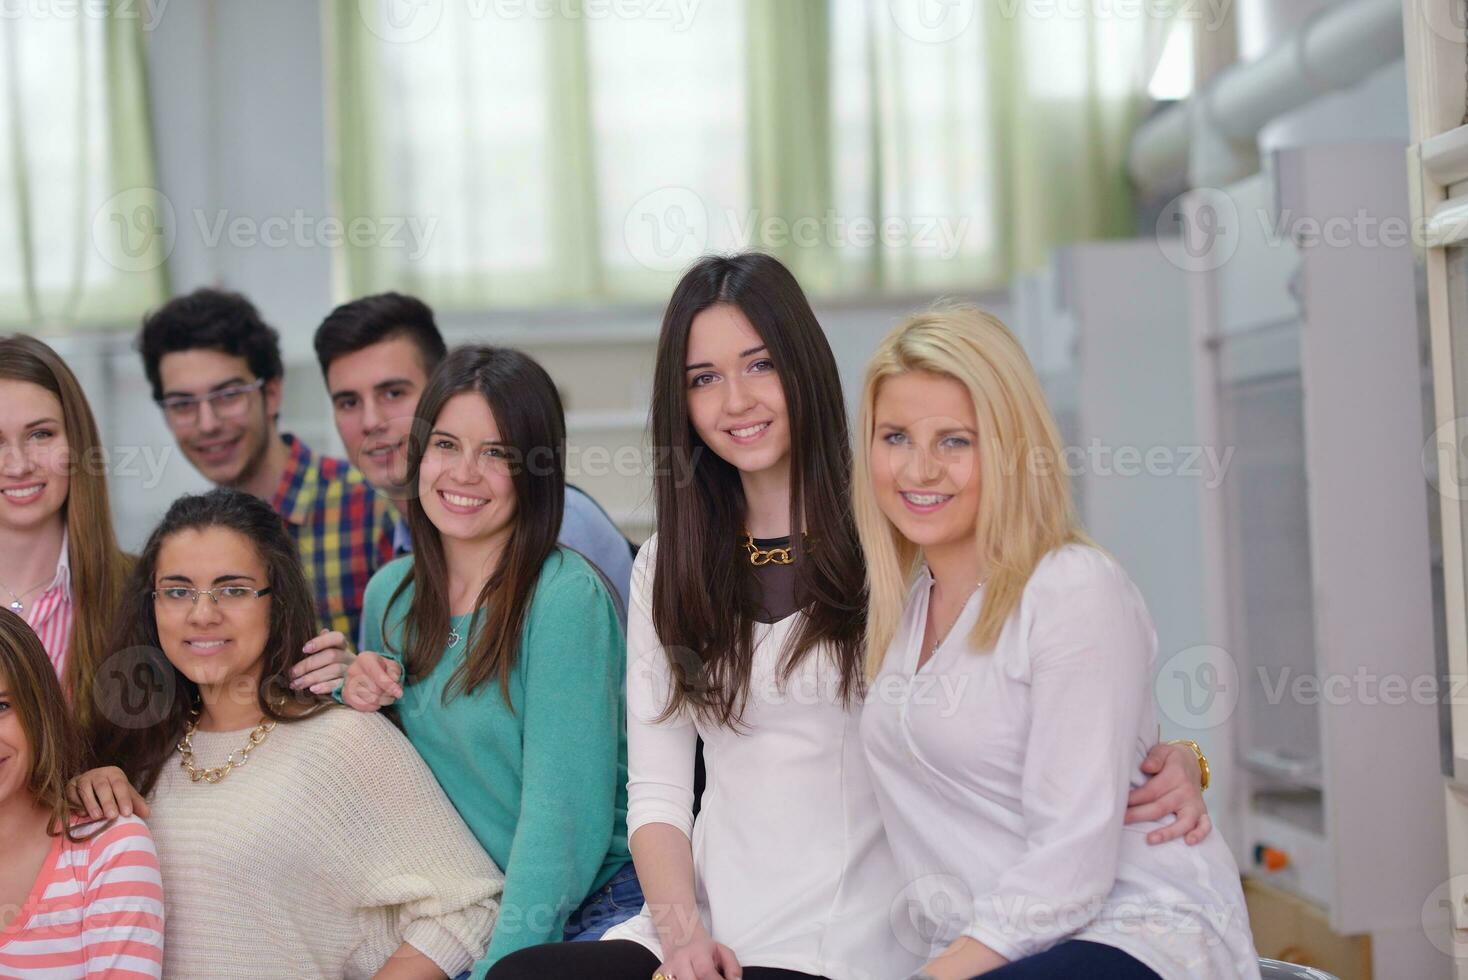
(1007, 814)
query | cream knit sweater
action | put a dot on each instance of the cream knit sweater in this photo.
(319, 858)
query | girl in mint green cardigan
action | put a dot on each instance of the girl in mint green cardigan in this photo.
(504, 653)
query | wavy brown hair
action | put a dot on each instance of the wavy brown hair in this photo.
(58, 753)
(143, 702)
(704, 600)
(527, 410)
(99, 568)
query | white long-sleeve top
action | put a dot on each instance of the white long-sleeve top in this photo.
(1004, 795)
(319, 858)
(791, 867)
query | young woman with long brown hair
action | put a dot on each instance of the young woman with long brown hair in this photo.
(296, 837)
(78, 898)
(504, 651)
(746, 628)
(61, 569)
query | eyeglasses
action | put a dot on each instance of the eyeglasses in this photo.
(226, 403)
(228, 596)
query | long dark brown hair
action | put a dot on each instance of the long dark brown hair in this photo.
(141, 701)
(527, 411)
(704, 606)
(57, 751)
(99, 567)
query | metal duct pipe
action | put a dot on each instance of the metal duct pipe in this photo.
(1335, 48)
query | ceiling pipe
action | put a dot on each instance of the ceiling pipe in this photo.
(1211, 137)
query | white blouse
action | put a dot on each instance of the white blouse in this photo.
(1004, 798)
(791, 867)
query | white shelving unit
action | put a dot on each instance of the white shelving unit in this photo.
(1309, 369)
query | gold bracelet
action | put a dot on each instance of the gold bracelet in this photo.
(1202, 759)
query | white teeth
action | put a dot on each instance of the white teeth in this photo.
(927, 499)
(459, 501)
(25, 494)
(206, 644)
(751, 430)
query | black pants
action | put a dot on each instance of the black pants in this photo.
(607, 959)
(1075, 958)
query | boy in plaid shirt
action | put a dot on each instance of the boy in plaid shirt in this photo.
(216, 372)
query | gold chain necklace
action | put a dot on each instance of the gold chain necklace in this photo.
(764, 556)
(214, 774)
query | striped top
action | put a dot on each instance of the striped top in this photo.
(96, 910)
(51, 614)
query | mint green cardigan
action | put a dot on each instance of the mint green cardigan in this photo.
(542, 781)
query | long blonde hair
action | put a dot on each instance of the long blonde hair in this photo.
(1025, 508)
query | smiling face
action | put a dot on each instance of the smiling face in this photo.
(465, 481)
(15, 748)
(374, 392)
(735, 401)
(35, 457)
(212, 643)
(924, 458)
(226, 439)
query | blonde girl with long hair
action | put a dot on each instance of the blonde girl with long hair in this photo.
(1007, 811)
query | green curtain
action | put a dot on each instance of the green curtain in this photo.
(790, 162)
(89, 234)
(968, 151)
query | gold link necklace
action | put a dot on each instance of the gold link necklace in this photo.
(765, 556)
(214, 774)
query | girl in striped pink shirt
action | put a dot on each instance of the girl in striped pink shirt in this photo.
(61, 568)
(77, 900)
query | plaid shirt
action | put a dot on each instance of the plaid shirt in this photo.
(342, 527)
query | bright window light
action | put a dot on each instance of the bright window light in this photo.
(1173, 79)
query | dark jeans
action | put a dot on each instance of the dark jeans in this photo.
(615, 959)
(1075, 958)
(616, 901)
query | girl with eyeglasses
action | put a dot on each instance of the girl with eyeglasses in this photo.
(296, 837)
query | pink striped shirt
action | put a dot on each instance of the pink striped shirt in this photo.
(96, 910)
(51, 615)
